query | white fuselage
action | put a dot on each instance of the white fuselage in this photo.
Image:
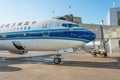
(48, 35)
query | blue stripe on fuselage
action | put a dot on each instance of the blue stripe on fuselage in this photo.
(75, 33)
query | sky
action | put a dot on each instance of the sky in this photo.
(91, 11)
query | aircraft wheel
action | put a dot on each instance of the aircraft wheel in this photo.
(105, 54)
(95, 54)
(57, 60)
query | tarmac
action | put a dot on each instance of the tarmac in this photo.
(74, 66)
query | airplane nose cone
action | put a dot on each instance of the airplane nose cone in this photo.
(92, 35)
(85, 34)
(88, 35)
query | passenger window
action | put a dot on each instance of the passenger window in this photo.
(2, 26)
(7, 25)
(13, 24)
(21, 28)
(29, 28)
(26, 23)
(45, 26)
(19, 24)
(18, 28)
(34, 22)
(10, 29)
(14, 29)
(7, 29)
(25, 28)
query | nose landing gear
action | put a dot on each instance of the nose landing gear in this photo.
(57, 59)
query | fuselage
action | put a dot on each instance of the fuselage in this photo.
(46, 35)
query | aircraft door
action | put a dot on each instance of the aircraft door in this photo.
(18, 45)
(45, 28)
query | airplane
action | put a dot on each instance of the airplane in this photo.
(43, 35)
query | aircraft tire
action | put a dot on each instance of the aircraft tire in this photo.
(105, 54)
(57, 60)
(95, 54)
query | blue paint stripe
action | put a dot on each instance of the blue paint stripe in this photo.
(61, 32)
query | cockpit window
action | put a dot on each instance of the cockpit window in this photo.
(75, 25)
(64, 25)
(70, 25)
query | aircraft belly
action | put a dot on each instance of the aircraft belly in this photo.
(6, 45)
(50, 45)
(43, 45)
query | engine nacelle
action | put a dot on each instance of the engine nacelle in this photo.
(21, 52)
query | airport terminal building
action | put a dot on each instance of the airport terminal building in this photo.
(111, 34)
(113, 17)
